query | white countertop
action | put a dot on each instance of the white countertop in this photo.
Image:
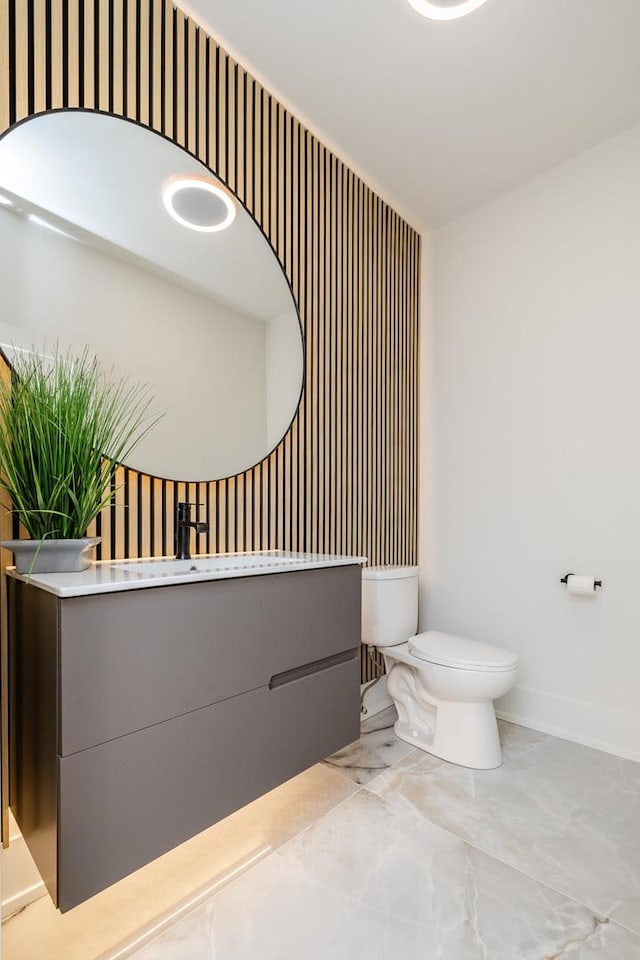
(111, 576)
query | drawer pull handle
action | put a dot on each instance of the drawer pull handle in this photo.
(288, 676)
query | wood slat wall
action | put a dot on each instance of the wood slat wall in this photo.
(344, 478)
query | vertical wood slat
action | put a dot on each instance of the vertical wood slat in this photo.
(158, 74)
(103, 67)
(191, 80)
(143, 45)
(38, 92)
(230, 141)
(88, 81)
(179, 84)
(131, 65)
(219, 160)
(344, 479)
(20, 81)
(167, 66)
(5, 68)
(248, 165)
(201, 82)
(117, 58)
(72, 43)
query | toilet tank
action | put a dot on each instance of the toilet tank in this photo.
(389, 605)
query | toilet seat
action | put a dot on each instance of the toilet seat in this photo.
(448, 650)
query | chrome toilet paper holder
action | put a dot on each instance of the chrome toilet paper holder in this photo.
(565, 580)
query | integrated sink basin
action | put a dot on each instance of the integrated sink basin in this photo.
(221, 563)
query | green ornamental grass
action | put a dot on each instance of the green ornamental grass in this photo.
(64, 428)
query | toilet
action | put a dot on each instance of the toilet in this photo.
(443, 686)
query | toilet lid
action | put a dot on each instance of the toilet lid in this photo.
(452, 651)
(391, 572)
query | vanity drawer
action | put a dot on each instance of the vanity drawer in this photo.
(125, 802)
(144, 656)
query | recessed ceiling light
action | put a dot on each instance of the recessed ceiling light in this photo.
(5, 202)
(446, 9)
(198, 203)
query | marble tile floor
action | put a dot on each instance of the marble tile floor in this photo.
(384, 852)
(377, 749)
(564, 814)
(106, 926)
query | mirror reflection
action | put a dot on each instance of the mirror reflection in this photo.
(115, 238)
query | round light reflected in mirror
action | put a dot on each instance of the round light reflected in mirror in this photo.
(198, 203)
(446, 9)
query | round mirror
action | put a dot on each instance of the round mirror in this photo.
(116, 239)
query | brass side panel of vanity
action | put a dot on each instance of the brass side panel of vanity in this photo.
(140, 657)
(126, 802)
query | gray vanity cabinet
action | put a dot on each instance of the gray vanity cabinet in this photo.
(140, 718)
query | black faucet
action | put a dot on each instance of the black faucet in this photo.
(183, 530)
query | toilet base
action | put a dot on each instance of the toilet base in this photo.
(484, 753)
(462, 733)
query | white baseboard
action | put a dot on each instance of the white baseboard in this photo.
(377, 699)
(590, 724)
(21, 882)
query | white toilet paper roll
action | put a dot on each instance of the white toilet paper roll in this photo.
(581, 585)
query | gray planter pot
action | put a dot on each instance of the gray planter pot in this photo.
(52, 556)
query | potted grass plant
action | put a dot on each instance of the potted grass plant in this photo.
(65, 425)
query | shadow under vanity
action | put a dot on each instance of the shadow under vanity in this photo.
(146, 708)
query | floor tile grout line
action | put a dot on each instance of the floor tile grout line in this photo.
(375, 776)
(340, 773)
(189, 910)
(359, 789)
(391, 766)
(362, 788)
(422, 818)
(618, 923)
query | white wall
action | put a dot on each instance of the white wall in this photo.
(531, 456)
(21, 882)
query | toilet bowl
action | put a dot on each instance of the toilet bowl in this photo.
(443, 686)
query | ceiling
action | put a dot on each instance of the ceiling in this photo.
(441, 117)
